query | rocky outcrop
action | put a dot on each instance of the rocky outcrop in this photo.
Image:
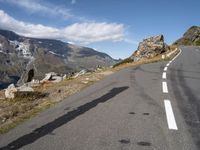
(190, 37)
(150, 47)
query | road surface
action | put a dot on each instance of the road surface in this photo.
(150, 107)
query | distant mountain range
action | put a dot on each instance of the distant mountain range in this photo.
(190, 37)
(19, 55)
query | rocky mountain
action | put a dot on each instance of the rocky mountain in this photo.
(190, 37)
(21, 56)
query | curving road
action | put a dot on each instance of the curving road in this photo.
(150, 107)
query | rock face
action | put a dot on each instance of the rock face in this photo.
(190, 37)
(30, 58)
(150, 47)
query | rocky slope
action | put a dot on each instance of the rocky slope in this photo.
(20, 56)
(150, 47)
(190, 37)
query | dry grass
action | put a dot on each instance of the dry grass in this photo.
(141, 61)
(28, 104)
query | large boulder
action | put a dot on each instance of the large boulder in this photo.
(10, 91)
(52, 77)
(150, 47)
(48, 76)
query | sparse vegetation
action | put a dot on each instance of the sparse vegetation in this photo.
(28, 104)
(14, 110)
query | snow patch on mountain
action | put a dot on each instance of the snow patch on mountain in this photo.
(22, 48)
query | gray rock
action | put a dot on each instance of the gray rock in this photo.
(56, 79)
(10, 91)
(150, 47)
(48, 76)
(25, 88)
(82, 72)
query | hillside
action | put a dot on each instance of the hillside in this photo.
(19, 55)
(190, 37)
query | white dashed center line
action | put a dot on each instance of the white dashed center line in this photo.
(164, 76)
(165, 69)
(168, 108)
(170, 115)
(164, 86)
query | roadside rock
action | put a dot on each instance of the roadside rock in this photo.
(48, 76)
(82, 72)
(25, 89)
(34, 83)
(10, 91)
(56, 79)
(52, 77)
(150, 47)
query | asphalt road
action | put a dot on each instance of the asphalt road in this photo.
(129, 110)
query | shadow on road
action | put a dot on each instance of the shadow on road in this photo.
(51, 126)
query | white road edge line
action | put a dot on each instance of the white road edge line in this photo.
(164, 87)
(170, 115)
(164, 76)
(165, 69)
(177, 55)
(167, 64)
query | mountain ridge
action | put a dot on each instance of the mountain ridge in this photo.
(190, 38)
(20, 54)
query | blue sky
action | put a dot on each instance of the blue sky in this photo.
(111, 26)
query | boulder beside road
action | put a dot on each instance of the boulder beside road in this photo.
(11, 91)
(150, 47)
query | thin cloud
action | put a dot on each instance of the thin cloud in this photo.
(83, 33)
(43, 8)
(131, 41)
(73, 2)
